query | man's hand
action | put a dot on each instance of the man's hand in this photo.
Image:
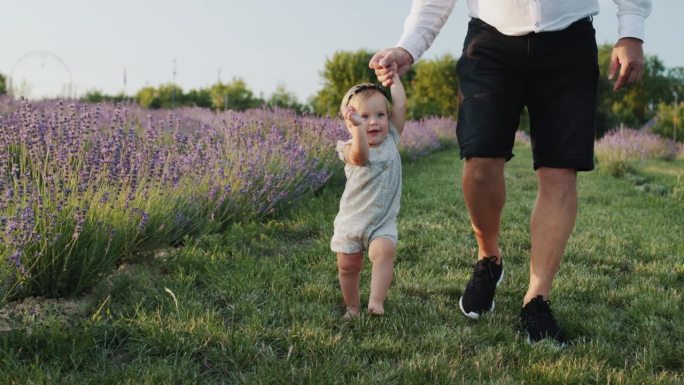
(388, 62)
(628, 56)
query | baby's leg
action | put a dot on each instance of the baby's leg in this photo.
(348, 270)
(381, 253)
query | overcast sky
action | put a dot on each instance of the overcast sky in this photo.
(90, 44)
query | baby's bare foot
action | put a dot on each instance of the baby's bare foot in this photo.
(350, 314)
(376, 309)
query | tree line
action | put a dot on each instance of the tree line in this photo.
(432, 90)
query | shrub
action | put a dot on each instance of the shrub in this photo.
(620, 149)
(426, 136)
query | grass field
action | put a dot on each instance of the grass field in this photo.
(260, 304)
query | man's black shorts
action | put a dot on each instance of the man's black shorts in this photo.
(554, 74)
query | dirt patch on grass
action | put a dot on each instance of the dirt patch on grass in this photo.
(34, 311)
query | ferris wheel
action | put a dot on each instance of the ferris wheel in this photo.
(41, 75)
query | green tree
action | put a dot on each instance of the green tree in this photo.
(668, 123)
(198, 98)
(96, 96)
(435, 89)
(233, 96)
(3, 86)
(676, 78)
(170, 95)
(166, 96)
(148, 97)
(282, 98)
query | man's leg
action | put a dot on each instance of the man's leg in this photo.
(551, 224)
(484, 191)
(492, 93)
(552, 221)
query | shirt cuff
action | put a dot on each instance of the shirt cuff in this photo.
(412, 47)
(631, 25)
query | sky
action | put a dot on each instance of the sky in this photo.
(124, 45)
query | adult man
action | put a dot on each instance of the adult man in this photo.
(540, 54)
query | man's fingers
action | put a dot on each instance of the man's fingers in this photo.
(388, 59)
(614, 65)
(381, 59)
(637, 71)
(387, 63)
(623, 78)
(630, 72)
(633, 76)
(375, 60)
(628, 55)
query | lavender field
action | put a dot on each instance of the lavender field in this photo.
(86, 187)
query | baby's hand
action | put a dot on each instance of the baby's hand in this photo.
(351, 115)
(392, 73)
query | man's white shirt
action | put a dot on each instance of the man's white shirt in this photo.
(515, 18)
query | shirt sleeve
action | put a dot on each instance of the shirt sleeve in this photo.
(632, 15)
(422, 25)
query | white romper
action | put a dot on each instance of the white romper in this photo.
(370, 202)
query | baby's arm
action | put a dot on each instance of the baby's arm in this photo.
(357, 152)
(398, 117)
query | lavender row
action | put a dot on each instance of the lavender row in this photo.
(620, 149)
(83, 186)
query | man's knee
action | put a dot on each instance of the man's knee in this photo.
(560, 183)
(482, 170)
(557, 176)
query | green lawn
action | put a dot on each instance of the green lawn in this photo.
(260, 304)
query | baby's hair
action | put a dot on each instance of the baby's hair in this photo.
(361, 92)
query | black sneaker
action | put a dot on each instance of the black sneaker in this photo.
(537, 320)
(478, 296)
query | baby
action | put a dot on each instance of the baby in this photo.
(367, 219)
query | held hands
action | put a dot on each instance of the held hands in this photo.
(390, 62)
(628, 56)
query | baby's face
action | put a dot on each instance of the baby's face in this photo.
(374, 117)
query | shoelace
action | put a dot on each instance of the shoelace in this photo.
(483, 269)
(541, 316)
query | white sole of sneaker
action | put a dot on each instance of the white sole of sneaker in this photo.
(472, 314)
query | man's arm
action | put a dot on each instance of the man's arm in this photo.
(423, 24)
(628, 53)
